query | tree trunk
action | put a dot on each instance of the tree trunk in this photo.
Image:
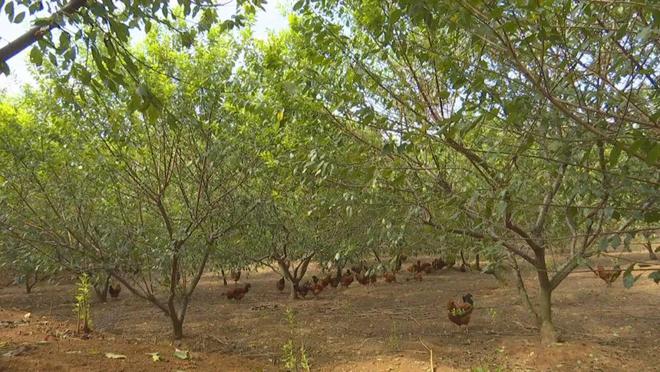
(177, 326)
(224, 277)
(294, 289)
(28, 285)
(549, 333)
(477, 266)
(649, 247)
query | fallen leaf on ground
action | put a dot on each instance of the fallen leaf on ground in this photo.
(155, 357)
(182, 354)
(114, 356)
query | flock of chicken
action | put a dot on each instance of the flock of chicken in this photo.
(458, 313)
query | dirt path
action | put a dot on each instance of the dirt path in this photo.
(356, 329)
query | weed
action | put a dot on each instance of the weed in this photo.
(294, 358)
(394, 339)
(83, 307)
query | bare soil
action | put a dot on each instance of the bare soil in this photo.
(378, 328)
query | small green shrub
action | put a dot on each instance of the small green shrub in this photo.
(83, 306)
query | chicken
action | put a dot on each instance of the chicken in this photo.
(235, 275)
(347, 279)
(326, 280)
(304, 289)
(609, 276)
(417, 277)
(419, 267)
(389, 277)
(334, 282)
(317, 288)
(362, 279)
(459, 314)
(359, 268)
(238, 292)
(280, 284)
(114, 290)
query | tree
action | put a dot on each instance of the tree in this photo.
(143, 186)
(486, 153)
(81, 24)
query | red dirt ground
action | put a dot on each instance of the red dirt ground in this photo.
(356, 329)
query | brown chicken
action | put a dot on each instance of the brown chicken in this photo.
(114, 290)
(238, 292)
(417, 277)
(459, 314)
(347, 279)
(389, 277)
(280, 284)
(304, 289)
(608, 276)
(326, 281)
(334, 282)
(317, 288)
(362, 279)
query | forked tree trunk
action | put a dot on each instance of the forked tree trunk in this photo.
(296, 276)
(29, 285)
(294, 289)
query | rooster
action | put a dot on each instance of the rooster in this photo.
(459, 314)
(608, 276)
(238, 292)
(346, 279)
(114, 290)
(280, 284)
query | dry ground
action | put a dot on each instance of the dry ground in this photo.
(356, 329)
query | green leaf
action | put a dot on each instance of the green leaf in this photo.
(615, 241)
(182, 354)
(36, 56)
(628, 278)
(655, 276)
(614, 155)
(9, 9)
(19, 17)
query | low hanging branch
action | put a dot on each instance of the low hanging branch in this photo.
(37, 32)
